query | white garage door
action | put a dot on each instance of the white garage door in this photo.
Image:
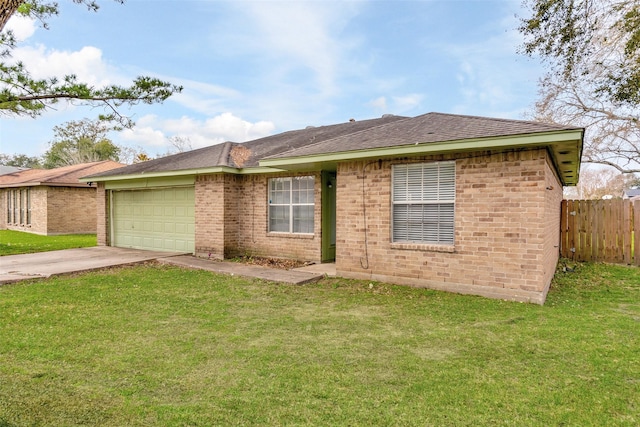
(158, 219)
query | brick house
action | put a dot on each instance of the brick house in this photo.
(51, 201)
(456, 203)
(631, 194)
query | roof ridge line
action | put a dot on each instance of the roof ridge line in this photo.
(501, 119)
(350, 134)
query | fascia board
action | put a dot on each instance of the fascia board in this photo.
(45, 184)
(185, 172)
(259, 170)
(22, 184)
(164, 174)
(541, 139)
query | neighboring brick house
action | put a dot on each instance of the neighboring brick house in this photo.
(51, 201)
(457, 203)
(631, 194)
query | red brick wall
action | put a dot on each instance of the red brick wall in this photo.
(232, 215)
(102, 211)
(209, 215)
(57, 210)
(3, 209)
(503, 240)
(38, 224)
(71, 210)
(553, 199)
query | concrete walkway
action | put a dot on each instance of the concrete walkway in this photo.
(295, 276)
(15, 268)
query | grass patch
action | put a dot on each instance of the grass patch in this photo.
(17, 242)
(162, 346)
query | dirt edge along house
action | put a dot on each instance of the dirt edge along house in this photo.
(457, 203)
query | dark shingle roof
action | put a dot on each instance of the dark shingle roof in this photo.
(632, 192)
(427, 128)
(288, 141)
(214, 155)
(387, 131)
(241, 155)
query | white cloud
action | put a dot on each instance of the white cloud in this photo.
(145, 136)
(398, 104)
(204, 98)
(22, 27)
(153, 133)
(407, 102)
(379, 103)
(87, 64)
(303, 36)
(489, 77)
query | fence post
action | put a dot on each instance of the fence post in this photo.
(636, 231)
(627, 226)
(589, 231)
(599, 247)
(571, 230)
(600, 230)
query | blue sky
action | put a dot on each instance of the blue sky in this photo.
(255, 68)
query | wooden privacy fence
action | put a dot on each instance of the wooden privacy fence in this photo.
(601, 230)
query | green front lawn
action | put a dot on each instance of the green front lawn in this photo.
(17, 242)
(162, 346)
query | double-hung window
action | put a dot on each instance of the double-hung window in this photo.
(423, 196)
(291, 204)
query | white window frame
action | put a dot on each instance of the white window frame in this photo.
(423, 203)
(288, 202)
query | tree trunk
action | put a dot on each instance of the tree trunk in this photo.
(7, 9)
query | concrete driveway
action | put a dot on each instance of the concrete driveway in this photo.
(14, 268)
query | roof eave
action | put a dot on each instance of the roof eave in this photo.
(43, 184)
(565, 147)
(184, 172)
(159, 174)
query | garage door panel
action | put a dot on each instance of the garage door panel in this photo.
(182, 246)
(155, 219)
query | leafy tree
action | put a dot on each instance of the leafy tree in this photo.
(22, 95)
(81, 141)
(20, 161)
(142, 157)
(130, 155)
(592, 50)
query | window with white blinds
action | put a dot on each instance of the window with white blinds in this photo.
(423, 202)
(291, 204)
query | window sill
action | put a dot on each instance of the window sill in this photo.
(291, 235)
(426, 247)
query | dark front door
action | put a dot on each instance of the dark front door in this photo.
(328, 216)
